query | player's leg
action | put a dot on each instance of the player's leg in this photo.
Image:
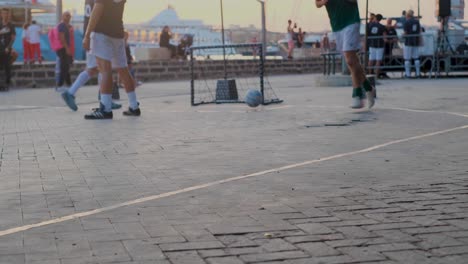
(417, 62)
(129, 84)
(407, 57)
(102, 48)
(350, 44)
(119, 62)
(378, 61)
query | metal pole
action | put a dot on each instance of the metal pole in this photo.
(419, 9)
(59, 11)
(27, 8)
(367, 36)
(264, 29)
(223, 40)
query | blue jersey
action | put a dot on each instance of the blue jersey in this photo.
(412, 27)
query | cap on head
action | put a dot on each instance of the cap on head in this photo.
(379, 17)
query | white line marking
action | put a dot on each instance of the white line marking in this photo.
(207, 185)
(426, 111)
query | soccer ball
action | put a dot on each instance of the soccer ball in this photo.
(253, 98)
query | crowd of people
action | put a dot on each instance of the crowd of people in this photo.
(382, 39)
(294, 38)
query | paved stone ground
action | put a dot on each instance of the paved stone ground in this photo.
(405, 202)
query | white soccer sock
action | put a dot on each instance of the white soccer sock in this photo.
(82, 79)
(408, 68)
(132, 100)
(417, 64)
(106, 100)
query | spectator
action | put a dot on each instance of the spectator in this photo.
(34, 35)
(325, 43)
(26, 44)
(164, 41)
(65, 53)
(376, 33)
(390, 42)
(7, 38)
(300, 38)
(290, 39)
(412, 31)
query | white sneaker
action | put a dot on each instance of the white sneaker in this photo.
(357, 103)
(371, 98)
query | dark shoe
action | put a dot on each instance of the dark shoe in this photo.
(99, 113)
(69, 100)
(132, 112)
(116, 106)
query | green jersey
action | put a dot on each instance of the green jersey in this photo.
(342, 13)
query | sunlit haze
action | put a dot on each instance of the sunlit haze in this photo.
(246, 12)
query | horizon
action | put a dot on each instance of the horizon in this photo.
(303, 12)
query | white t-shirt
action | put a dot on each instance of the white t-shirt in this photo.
(34, 34)
(24, 35)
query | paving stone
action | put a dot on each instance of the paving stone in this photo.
(275, 245)
(341, 259)
(233, 230)
(318, 249)
(191, 246)
(210, 253)
(428, 230)
(314, 238)
(224, 260)
(13, 259)
(359, 222)
(263, 257)
(354, 232)
(392, 247)
(186, 257)
(406, 225)
(437, 240)
(143, 250)
(167, 240)
(410, 257)
(109, 252)
(445, 251)
(236, 241)
(396, 236)
(362, 254)
(315, 229)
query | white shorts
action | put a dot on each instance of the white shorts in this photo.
(109, 49)
(91, 62)
(376, 54)
(348, 39)
(411, 52)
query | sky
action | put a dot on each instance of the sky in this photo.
(246, 12)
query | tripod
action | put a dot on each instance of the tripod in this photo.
(443, 42)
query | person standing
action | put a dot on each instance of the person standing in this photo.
(104, 38)
(7, 38)
(91, 68)
(290, 39)
(377, 34)
(345, 23)
(390, 41)
(65, 53)
(412, 29)
(34, 35)
(26, 47)
(325, 43)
